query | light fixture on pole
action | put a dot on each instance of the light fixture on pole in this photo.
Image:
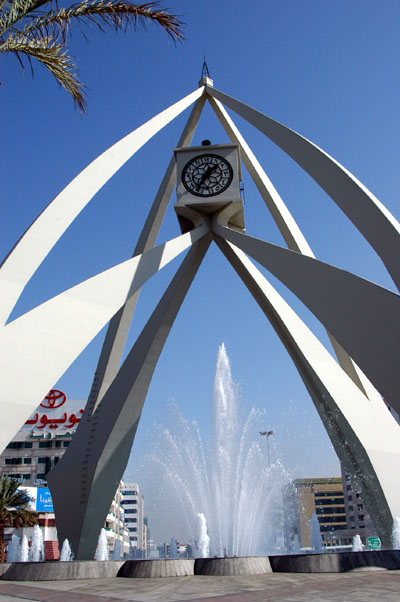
(268, 435)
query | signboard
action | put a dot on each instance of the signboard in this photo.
(54, 399)
(56, 413)
(41, 499)
(374, 543)
(44, 503)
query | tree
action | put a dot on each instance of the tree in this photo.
(28, 31)
(14, 510)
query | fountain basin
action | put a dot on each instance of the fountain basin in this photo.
(339, 562)
(4, 566)
(181, 567)
(241, 565)
(166, 567)
(53, 571)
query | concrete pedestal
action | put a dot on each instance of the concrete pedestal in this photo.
(168, 567)
(340, 562)
(54, 571)
(247, 565)
(4, 566)
(181, 567)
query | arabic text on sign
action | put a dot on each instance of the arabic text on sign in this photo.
(53, 423)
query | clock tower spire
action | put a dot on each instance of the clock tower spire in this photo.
(205, 76)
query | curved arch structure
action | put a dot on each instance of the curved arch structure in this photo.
(373, 462)
(100, 449)
(379, 227)
(288, 227)
(363, 432)
(38, 240)
(359, 313)
(69, 321)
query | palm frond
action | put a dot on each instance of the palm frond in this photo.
(12, 11)
(115, 14)
(54, 57)
(22, 518)
(14, 510)
(11, 496)
(34, 34)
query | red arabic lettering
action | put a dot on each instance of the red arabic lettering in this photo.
(34, 421)
(73, 420)
(53, 423)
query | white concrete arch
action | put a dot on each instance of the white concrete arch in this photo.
(364, 435)
(106, 431)
(284, 220)
(368, 214)
(288, 227)
(38, 347)
(99, 451)
(29, 252)
(361, 315)
(117, 332)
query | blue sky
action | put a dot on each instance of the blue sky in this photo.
(327, 69)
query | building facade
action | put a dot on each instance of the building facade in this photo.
(42, 440)
(338, 506)
(35, 449)
(358, 520)
(133, 505)
(114, 525)
(323, 497)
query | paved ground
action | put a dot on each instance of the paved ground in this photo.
(365, 586)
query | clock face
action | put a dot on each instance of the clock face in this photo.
(207, 175)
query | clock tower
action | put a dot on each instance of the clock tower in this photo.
(208, 180)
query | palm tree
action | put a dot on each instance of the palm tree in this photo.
(14, 510)
(28, 31)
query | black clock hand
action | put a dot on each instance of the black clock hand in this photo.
(205, 175)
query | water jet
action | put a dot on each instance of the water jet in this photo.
(227, 492)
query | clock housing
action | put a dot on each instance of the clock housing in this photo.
(208, 179)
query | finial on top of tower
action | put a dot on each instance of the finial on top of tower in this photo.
(204, 71)
(205, 76)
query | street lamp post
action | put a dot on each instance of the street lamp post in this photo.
(268, 435)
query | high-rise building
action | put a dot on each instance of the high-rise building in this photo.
(358, 519)
(323, 497)
(114, 524)
(338, 506)
(133, 504)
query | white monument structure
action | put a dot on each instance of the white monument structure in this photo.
(362, 318)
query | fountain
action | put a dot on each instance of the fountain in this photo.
(396, 533)
(36, 553)
(14, 549)
(204, 538)
(102, 546)
(315, 534)
(24, 549)
(66, 552)
(230, 495)
(230, 483)
(295, 547)
(116, 555)
(357, 544)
